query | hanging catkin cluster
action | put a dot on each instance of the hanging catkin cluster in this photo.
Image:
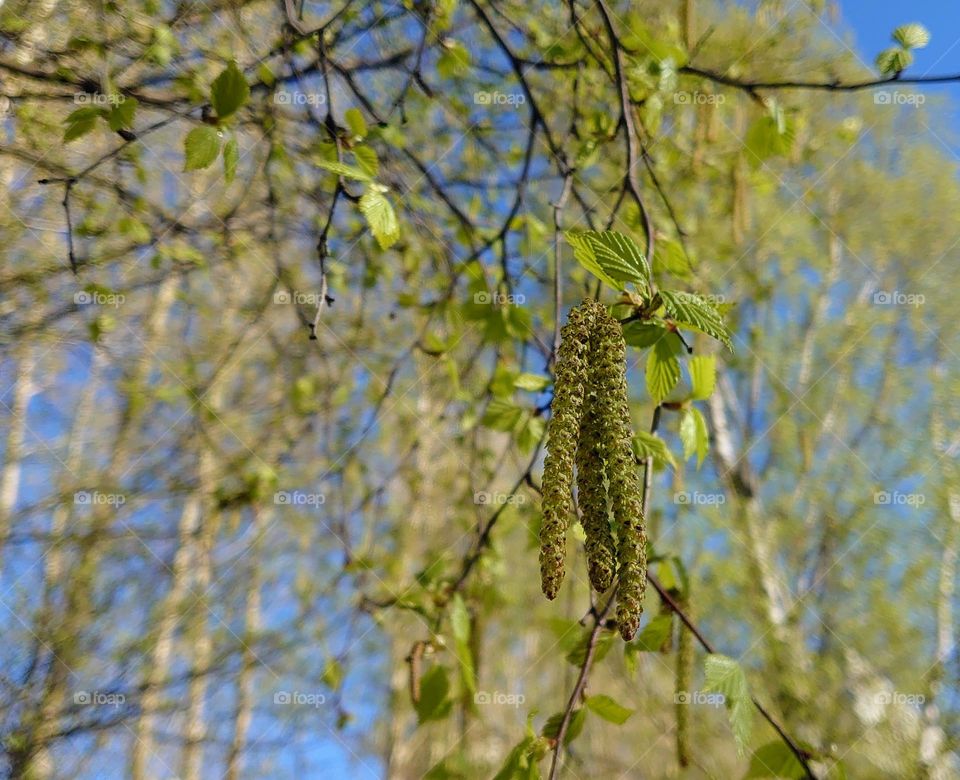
(590, 427)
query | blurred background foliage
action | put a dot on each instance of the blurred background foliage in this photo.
(224, 544)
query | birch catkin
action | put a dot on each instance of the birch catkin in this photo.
(563, 435)
(625, 490)
(592, 455)
(590, 426)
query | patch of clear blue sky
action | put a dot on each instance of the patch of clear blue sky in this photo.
(872, 23)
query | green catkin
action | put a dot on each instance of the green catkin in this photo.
(563, 433)
(626, 495)
(591, 473)
(685, 661)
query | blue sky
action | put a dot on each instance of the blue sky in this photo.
(872, 22)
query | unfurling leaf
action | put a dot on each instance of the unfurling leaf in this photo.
(380, 216)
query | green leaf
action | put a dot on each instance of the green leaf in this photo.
(121, 114)
(434, 687)
(342, 169)
(578, 652)
(356, 123)
(532, 382)
(459, 619)
(724, 675)
(612, 257)
(460, 625)
(531, 433)
(455, 59)
(696, 313)
(229, 91)
(775, 759)
(81, 122)
(201, 147)
(654, 634)
(231, 154)
(502, 416)
(694, 435)
(893, 60)
(769, 136)
(380, 216)
(367, 160)
(643, 334)
(912, 36)
(649, 445)
(552, 727)
(608, 709)
(663, 370)
(703, 376)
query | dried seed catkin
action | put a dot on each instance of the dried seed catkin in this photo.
(592, 454)
(563, 433)
(626, 495)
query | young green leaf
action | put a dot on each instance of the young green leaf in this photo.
(342, 169)
(356, 123)
(433, 703)
(231, 154)
(654, 634)
(551, 728)
(694, 435)
(455, 59)
(502, 416)
(380, 216)
(724, 675)
(697, 313)
(201, 147)
(531, 382)
(663, 370)
(912, 36)
(649, 445)
(612, 257)
(775, 759)
(81, 122)
(229, 91)
(367, 160)
(460, 625)
(121, 114)
(893, 60)
(608, 709)
(703, 376)
(643, 334)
